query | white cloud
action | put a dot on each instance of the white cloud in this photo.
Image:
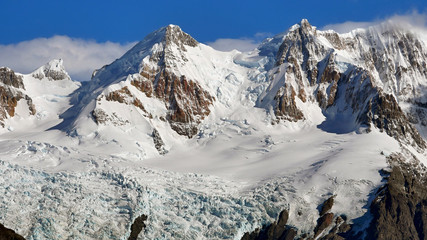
(348, 26)
(414, 20)
(228, 44)
(81, 57)
(241, 44)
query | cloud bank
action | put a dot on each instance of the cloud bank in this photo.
(413, 20)
(241, 44)
(228, 44)
(81, 57)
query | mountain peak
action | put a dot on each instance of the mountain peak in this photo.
(174, 34)
(53, 70)
(305, 23)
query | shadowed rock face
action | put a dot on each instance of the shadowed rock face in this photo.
(400, 209)
(137, 226)
(8, 234)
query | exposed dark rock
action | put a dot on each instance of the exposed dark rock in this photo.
(322, 223)
(286, 108)
(187, 103)
(327, 206)
(158, 142)
(276, 230)
(137, 226)
(339, 228)
(124, 96)
(400, 209)
(9, 234)
(174, 34)
(384, 112)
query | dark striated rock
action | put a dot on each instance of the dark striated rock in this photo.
(187, 103)
(9, 234)
(327, 206)
(158, 142)
(322, 223)
(137, 226)
(286, 108)
(400, 209)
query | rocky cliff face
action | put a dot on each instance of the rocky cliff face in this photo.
(400, 208)
(11, 92)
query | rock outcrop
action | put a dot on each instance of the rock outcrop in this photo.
(276, 230)
(187, 103)
(137, 226)
(9, 234)
(53, 70)
(400, 209)
(329, 227)
(11, 92)
(158, 142)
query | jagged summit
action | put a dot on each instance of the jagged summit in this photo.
(174, 34)
(53, 70)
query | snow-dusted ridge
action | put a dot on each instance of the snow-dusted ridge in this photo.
(212, 144)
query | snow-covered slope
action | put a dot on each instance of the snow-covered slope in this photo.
(210, 144)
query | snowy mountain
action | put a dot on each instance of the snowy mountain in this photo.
(194, 143)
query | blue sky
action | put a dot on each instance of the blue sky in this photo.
(129, 20)
(116, 25)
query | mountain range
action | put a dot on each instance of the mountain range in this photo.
(312, 135)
